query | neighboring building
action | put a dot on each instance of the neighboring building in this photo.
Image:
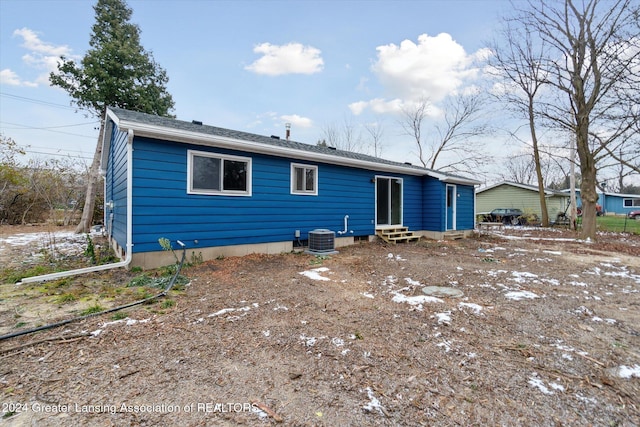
(614, 203)
(225, 192)
(507, 194)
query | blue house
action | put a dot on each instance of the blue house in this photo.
(614, 203)
(225, 192)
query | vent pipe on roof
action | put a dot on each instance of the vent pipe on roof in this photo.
(287, 126)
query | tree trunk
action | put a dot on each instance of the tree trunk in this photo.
(538, 166)
(589, 198)
(92, 184)
(588, 170)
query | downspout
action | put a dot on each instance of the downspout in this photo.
(475, 208)
(129, 256)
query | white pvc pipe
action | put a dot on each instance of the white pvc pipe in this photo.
(346, 225)
(129, 245)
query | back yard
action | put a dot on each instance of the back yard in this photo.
(546, 332)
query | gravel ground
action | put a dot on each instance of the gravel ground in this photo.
(546, 332)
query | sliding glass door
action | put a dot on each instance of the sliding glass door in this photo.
(388, 201)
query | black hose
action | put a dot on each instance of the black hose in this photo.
(111, 310)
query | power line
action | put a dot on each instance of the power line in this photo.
(27, 147)
(53, 127)
(47, 129)
(60, 155)
(37, 101)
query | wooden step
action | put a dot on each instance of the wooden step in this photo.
(453, 235)
(397, 234)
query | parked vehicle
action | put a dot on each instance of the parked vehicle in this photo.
(634, 214)
(507, 216)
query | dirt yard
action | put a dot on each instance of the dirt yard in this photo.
(546, 332)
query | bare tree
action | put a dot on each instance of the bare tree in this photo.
(592, 66)
(412, 120)
(455, 144)
(623, 172)
(9, 168)
(376, 132)
(520, 168)
(58, 184)
(330, 136)
(344, 136)
(517, 62)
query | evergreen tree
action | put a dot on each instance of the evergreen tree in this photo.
(115, 72)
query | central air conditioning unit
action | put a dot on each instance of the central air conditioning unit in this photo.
(322, 242)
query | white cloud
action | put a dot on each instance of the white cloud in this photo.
(483, 54)
(383, 106)
(297, 120)
(432, 69)
(41, 56)
(8, 77)
(292, 58)
(363, 84)
(377, 105)
(358, 107)
(33, 43)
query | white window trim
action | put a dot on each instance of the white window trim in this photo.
(222, 157)
(632, 202)
(293, 180)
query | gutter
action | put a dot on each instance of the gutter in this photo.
(129, 245)
(218, 141)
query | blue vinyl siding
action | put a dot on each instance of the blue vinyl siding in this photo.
(162, 207)
(465, 207)
(116, 188)
(412, 200)
(433, 206)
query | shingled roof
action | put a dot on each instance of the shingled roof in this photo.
(166, 127)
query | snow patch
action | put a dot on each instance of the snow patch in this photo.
(627, 371)
(414, 300)
(314, 274)
(374, 403)
(476, 308)
(520, 295)
(539, 384)
(444, 318)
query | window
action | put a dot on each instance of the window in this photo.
(304, 179)
(631, 203)
(211, 173)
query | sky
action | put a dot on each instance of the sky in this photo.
(254, 65)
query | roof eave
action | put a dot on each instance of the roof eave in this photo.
(452, 179)
(197, 138)
(177, 135)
